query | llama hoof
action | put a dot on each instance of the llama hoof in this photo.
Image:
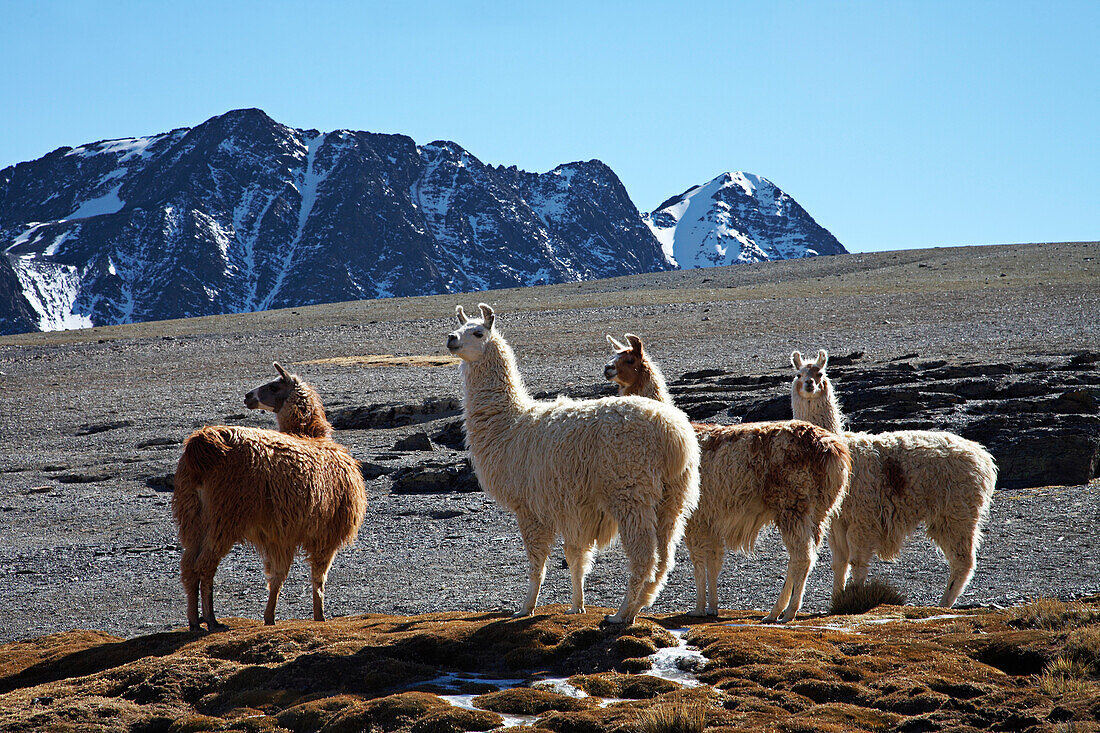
(216, 626)
(784, 619)
(769, 619)
(712, 612)
(195, 627)
(697, 613)
(617, 619)
(521, 613)
(574, 611)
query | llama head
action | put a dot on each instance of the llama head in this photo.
(469, 340)
(811, 382)
(626, 367)
(273, 395)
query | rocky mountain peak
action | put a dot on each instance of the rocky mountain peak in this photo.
(737, 217)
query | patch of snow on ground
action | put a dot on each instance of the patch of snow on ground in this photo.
(108, 203)
(308, 184)
(28, 236)
(51, 288)
(129, 147)
(52, 248)
(220, 236)
(246, 230)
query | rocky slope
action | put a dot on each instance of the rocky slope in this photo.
(737, 218)
(242, 213)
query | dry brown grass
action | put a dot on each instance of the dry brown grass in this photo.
(386, 360)
(673, 718)
(1064, 676)
(1053, 615)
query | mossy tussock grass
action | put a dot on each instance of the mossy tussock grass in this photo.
(857, 599)
(380, 673)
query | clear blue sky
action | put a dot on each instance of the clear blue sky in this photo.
(896, 125)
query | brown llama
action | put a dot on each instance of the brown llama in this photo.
(788, 473)
(278, 491)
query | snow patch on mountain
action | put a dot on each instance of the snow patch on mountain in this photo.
(52, 289)
(108, 203)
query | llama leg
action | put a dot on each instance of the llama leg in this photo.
(860, 558)
(961, 556)
(319, 564)
(276, 566)
(962, 570)
(639, 538)
(669, 530)
(190, 586)
(838, 543)
(803, 553)
(715, 561)
(205, 566)
(699, 540)
(537, 537)
(784, 598)
(579, 558)
(699, 567)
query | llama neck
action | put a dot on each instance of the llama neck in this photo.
(493, 386)
(823, 411)
(650, 383)
(303, 414)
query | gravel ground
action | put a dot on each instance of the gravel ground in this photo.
(90, 417)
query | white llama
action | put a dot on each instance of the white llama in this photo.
(899, 480)
(586, 470)
(788, 473)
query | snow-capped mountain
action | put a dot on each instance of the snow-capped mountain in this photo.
(242, 213)
(737, 218)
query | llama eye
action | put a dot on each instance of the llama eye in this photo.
(479, 334)
(630, 360)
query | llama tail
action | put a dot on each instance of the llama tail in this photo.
(203, 451)
(838, 469)
(680, 497)
(985, 478)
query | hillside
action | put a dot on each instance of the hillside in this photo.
(93, 423)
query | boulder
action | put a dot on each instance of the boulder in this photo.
(436, 477)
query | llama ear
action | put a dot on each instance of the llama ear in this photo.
(461, 315)
(487, 315)
(822, 358)
(615, 344)
(287, 377)
(796, 360)
(635, 343)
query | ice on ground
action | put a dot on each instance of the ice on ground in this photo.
(671, 663)
(674, 662)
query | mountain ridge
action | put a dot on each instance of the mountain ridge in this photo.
(242, 213)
